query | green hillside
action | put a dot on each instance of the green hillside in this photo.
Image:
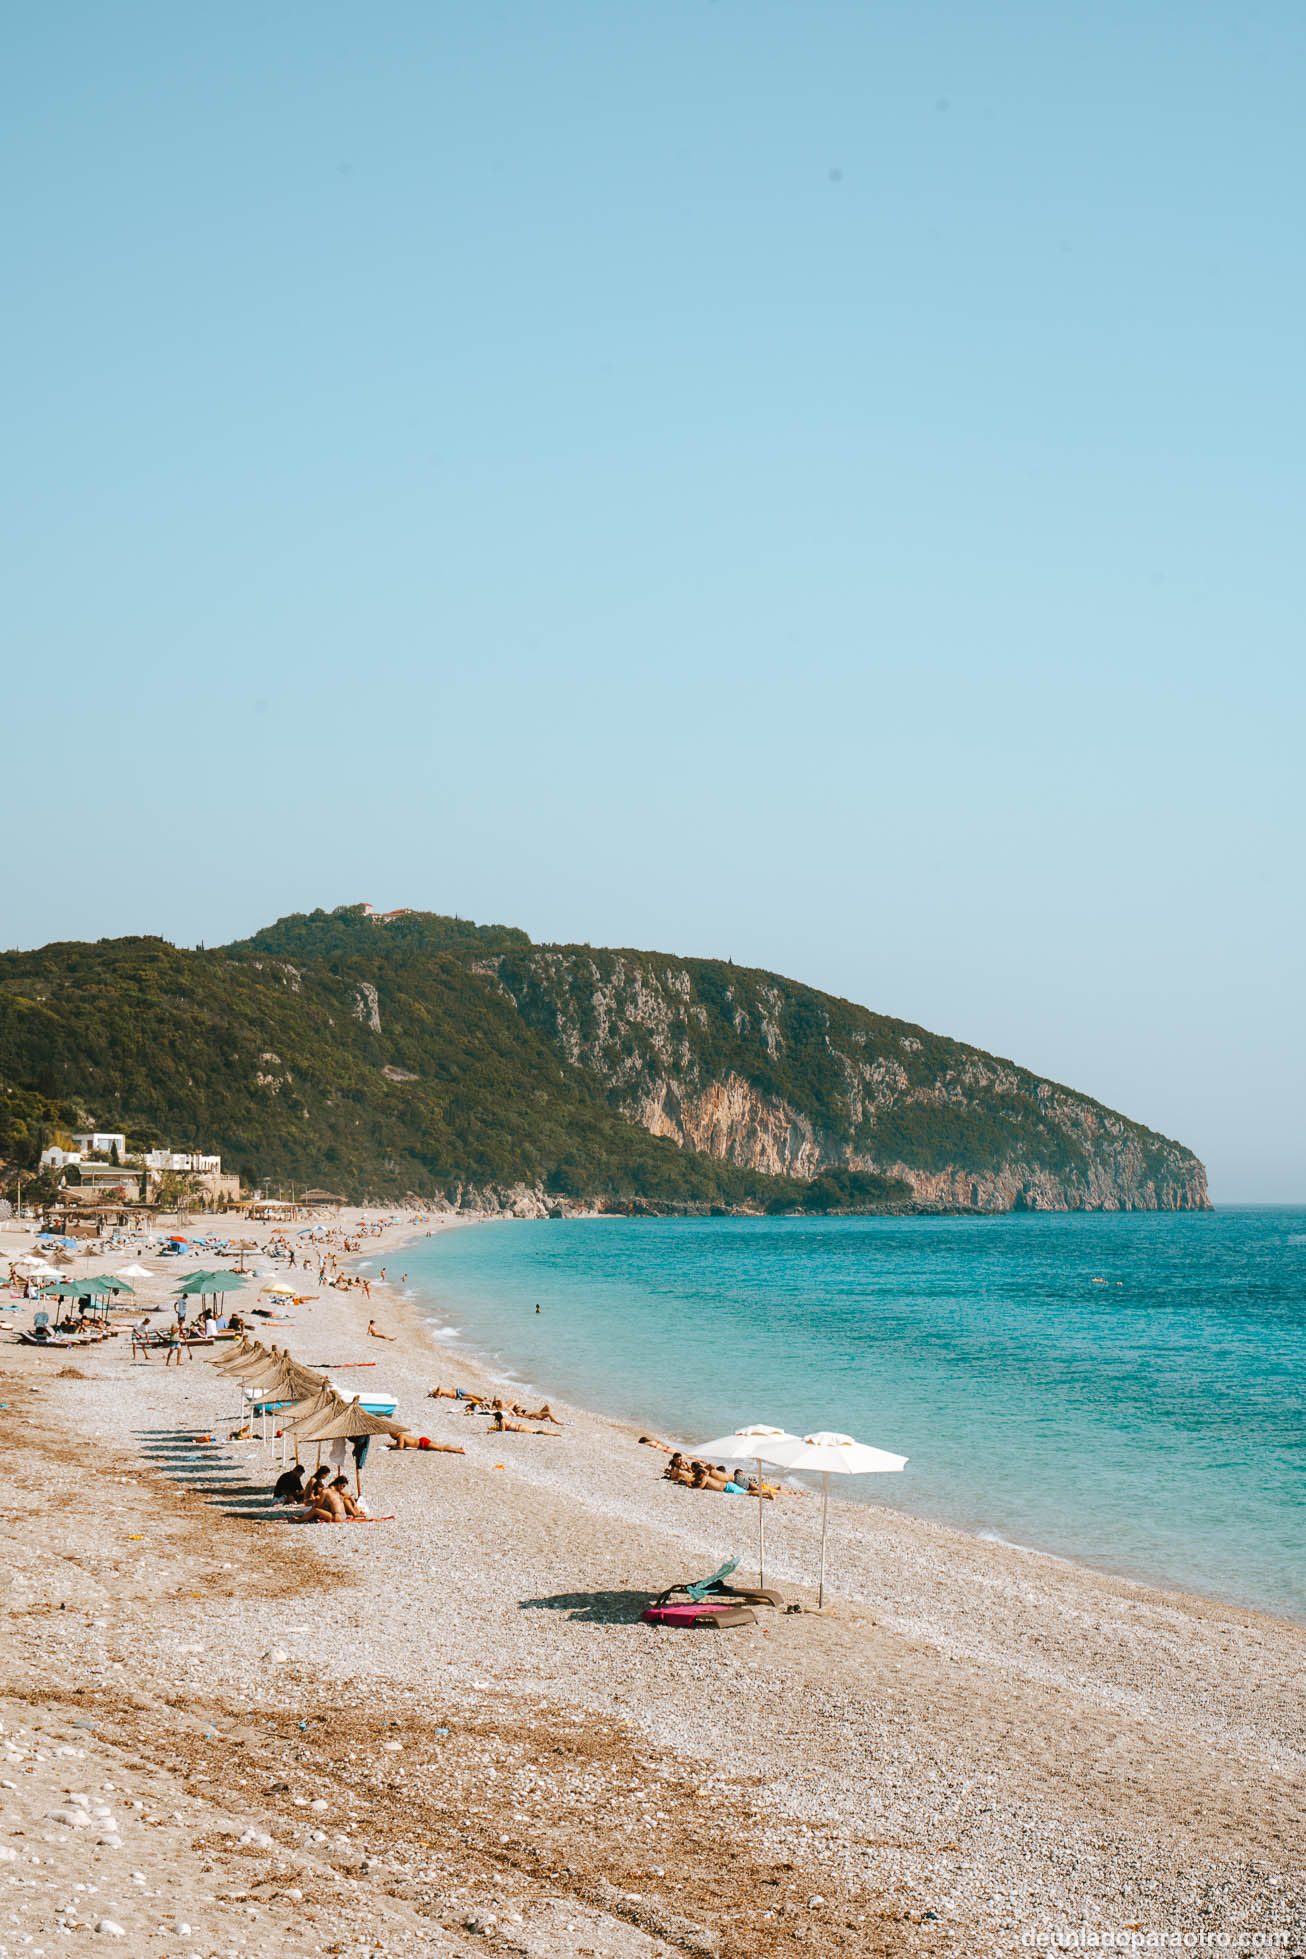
(428, 1055)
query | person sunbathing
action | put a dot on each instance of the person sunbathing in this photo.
(544, 1414)
(438, 1393)
(502, 1422)
(376, 1332)
(651, 1442)
(401, 1439)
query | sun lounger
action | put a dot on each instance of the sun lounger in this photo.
(705, 1590)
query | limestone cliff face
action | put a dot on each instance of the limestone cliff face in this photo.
(730, 1119)
(781, 1079)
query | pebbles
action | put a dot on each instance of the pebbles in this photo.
(1001, 1742)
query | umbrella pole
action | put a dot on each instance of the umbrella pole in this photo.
(825, 1508)
(761, 1531)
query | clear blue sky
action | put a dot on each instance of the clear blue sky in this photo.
(816, 483)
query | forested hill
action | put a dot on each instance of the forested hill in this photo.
(427, 1055)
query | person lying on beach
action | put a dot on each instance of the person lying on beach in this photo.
(707, 1476)
(502, 1422)
(544, 1414)
(376, 1332)
(289, 1486)
(437, 1393)
(401, 1439)
(651, 1442)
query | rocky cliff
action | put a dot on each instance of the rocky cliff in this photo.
(780, 1079)
(427, 1055)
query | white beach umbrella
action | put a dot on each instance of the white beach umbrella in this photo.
(134, 1272)
(831, 1455)
(749, 1445)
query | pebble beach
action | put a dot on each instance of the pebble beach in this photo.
(448, 1733)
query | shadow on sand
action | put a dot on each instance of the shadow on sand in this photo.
(591, 1608)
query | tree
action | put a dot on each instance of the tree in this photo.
(175, 1191)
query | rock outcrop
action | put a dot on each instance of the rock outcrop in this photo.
(785, 1081)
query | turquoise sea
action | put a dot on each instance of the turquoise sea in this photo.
(1123, 1390)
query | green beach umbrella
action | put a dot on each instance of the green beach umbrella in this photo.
(198, 1282)
(224, 1281)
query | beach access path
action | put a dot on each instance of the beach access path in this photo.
(449, 1733)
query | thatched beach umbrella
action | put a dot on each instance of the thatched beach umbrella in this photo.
(241, 1351)
(268, 1392)
(306, 1410)
(253, 1367)
(276, 1378)
(347, 1424)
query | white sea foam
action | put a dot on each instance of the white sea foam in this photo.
(1010, 1544)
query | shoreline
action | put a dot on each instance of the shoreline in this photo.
(474, 1356)
(996, 1741)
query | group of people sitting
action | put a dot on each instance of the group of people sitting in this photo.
(327, 1498)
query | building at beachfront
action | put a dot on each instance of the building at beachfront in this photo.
(99, 1165)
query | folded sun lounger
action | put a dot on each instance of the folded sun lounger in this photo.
(715, 1588)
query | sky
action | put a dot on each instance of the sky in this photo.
(819, 484)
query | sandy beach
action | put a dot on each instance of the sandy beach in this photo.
(449, 1734)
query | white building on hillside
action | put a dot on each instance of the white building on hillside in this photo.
(100, 1142)
(188, 1160)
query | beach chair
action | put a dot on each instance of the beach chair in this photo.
(715, 1590)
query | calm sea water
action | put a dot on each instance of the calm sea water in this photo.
(1124, 1390)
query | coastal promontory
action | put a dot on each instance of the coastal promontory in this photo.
(412, 1053)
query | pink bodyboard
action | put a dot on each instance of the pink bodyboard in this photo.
(703, 1613)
